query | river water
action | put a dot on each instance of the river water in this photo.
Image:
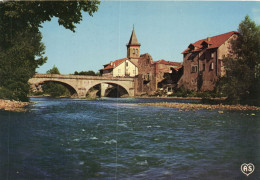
(119, 139)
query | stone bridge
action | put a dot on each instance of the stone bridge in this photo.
(80, 85)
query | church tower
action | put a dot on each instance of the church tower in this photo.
(133, 47)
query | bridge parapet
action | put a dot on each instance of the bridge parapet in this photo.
(68, 76)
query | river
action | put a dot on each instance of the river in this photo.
(116, 138)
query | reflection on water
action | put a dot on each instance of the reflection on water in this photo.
(118, 139)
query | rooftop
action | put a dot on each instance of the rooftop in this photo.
(113, 64)
(162, 61)
(213, 42)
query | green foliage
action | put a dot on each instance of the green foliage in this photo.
(37, 93)
(18, 64)
(20, 39)
(241, 82)
(55, 90)
(54, 70)
(52, 88)
(86, 73)
(182, 92)
(98, 73)
(236, 82)
(34, 13)
(15, 91)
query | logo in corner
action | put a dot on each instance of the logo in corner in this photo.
(247, 169)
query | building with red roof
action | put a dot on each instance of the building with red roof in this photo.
(202, 61)
(125, 67)
(148, 74)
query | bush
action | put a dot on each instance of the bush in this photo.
(55, 90)
(15, 91)
(182, 92)
(241, 81)
(86, 73)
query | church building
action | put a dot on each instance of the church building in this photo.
(126, 67)
(147, 73)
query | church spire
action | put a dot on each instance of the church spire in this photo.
(133, 46)
(133, 39)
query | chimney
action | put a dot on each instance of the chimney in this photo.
(209, 38)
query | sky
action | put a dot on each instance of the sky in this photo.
(164, 29)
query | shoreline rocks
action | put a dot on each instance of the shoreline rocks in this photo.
(16, 106)
(202, 106)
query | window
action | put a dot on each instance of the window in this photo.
(126, 63)
(133, 51)
(194, 69)
(211, 67)
(203, 67)
(136, 51)
(148, 77)
(212, 55)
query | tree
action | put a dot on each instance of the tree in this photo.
(18, 63)
(52, 88)
(86, 73)
(20, 39)
(241, 83)
(54, 70)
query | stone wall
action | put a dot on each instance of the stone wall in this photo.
(161, 69)
(145, 83)
(225, 50)
(202, 69)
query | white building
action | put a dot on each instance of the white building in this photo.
(126, 67)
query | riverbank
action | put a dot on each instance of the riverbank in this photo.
(202, 106)
(176, 97)
(164, 97)
(9, 105)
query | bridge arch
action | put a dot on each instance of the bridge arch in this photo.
(115, 91)
(71, 88)
(120, 85)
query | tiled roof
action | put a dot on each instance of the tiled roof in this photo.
(119, 61)
(107, 67)
(214, 41)
(168, 63)
(114, 64)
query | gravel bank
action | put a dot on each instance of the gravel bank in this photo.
(202, 106)
(13, 105)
